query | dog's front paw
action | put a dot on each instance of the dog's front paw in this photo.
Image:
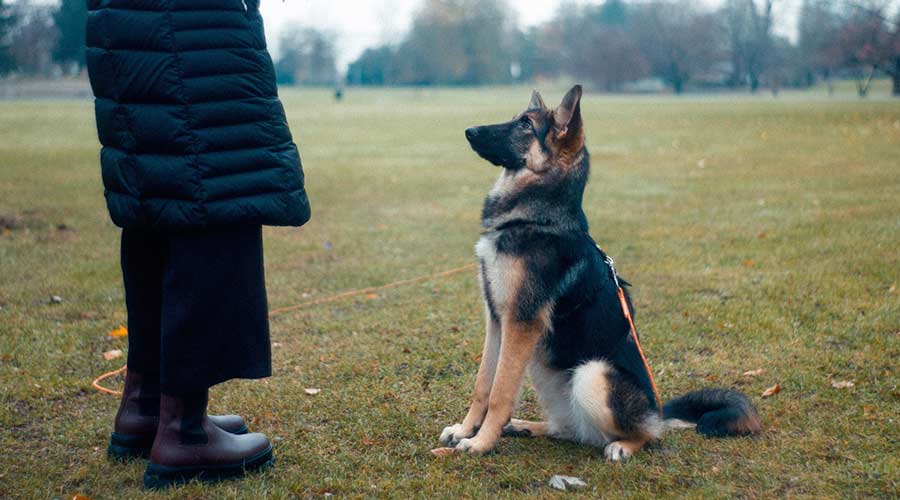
(474, 446)
(617, 452)
(452, 435)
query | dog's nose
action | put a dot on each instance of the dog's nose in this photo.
(471, 132)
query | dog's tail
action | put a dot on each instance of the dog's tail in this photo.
(713, 412)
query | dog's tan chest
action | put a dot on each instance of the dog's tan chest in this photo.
(499, 273)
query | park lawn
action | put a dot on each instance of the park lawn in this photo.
(758, 234)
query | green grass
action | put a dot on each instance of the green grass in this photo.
(759, 233)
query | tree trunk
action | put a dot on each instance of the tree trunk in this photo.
(829, 83)
(863, 84)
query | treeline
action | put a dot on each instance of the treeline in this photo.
(618, 45)
(613, 45)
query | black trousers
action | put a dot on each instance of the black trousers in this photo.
(197, 311)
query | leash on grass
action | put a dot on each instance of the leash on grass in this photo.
(324, 300)
(632, 330)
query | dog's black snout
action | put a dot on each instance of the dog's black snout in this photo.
(471, 132)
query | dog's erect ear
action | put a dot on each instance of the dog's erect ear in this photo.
(537, 103)
(568, 114)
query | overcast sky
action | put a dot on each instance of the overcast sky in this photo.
(358, 24)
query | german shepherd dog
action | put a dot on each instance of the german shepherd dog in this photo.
(552, 306)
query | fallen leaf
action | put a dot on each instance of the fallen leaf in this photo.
(113, 354)
(771, 391)
(842, 384)
(119, 332)
(443, 452)
(368, 442)
(372, 296)
(311, 391)
(754, 373)
(762, 235)
(564, 483)
(892, 289)
(749, 263)
(81, 497)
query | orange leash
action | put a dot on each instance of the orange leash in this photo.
(333, 298)
(632, 330)
(372, 289)
(96, 383)
(637, 342)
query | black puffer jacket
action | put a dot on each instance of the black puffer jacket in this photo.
(188, 114)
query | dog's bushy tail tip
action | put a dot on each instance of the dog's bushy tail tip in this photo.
(716, 413)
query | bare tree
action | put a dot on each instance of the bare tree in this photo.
(819, 25)
(610, 58)
(593, 43)
(33, 38)
(450, 42)
(307, 57)
(678, 40)
(865, 43)
(870, 28)
(748, 24)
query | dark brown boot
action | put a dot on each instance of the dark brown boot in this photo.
(138, 419)
(190, 446)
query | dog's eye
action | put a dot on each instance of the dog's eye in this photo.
(525, 123)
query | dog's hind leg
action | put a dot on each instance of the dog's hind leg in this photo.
(608, 410)
(483, 382)
(554, 392)
(525, 428)
(553, 388)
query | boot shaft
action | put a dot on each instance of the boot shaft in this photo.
(139, 407)
(184, 415)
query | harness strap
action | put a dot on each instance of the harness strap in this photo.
(632, 330)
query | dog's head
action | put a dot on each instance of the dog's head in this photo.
(539, 139)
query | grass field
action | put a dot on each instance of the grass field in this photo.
(759, 234)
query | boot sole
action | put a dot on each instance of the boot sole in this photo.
(125, 447)
(162, 476)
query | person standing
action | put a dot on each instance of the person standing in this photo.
(196, 157)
